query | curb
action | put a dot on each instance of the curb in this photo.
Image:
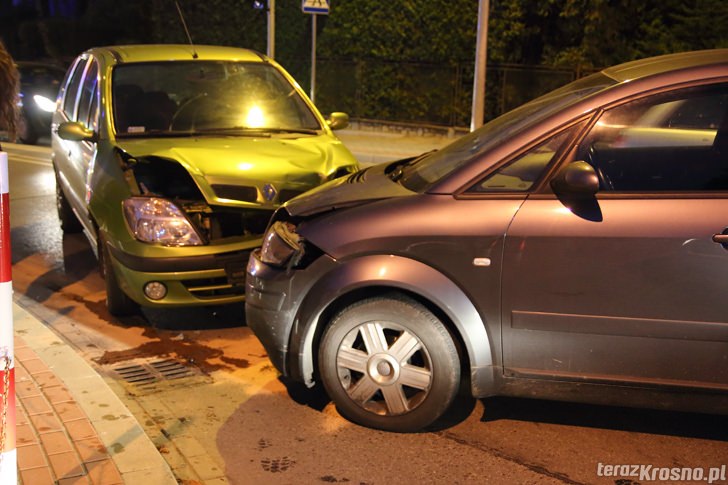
(133, 453)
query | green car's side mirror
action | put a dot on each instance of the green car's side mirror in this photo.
(75, 131)
(337, 120)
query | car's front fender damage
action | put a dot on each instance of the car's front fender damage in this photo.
(159, 176)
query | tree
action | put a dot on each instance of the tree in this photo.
(400, 59)
(434, 31)
(600, 33)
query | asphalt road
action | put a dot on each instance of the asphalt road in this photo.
(230, 418)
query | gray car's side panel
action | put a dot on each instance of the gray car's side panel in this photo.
(396, 272)
(380, 245)
(621, 297)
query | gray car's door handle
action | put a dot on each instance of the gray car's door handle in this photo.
(720, 238)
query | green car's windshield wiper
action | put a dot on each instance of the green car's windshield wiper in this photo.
(237, 130)
(305, 131)
(234, 130)
(154, 134)
(270, 129)
(262, 131)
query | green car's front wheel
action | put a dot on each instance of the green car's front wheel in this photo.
(117, 302)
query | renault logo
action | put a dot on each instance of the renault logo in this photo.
(269, 192)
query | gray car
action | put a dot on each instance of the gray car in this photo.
(539, 256)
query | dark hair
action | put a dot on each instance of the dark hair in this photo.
(9, 84)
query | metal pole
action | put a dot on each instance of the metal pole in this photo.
(272, 29)
(481, 45)
(313, 57)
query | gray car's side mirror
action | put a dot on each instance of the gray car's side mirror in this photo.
(75, 131)
(337, 120)
(577, 178)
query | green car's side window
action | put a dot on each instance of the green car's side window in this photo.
(71, 92)
(86, 104)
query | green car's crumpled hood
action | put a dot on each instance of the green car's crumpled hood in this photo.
(296, 164)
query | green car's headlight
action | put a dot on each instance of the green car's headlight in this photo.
(155, 220)
(281, 245)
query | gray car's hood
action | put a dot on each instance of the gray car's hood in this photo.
(365, 186)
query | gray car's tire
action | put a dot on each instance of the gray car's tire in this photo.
(389, 363)
(117, 302)
(69, 222)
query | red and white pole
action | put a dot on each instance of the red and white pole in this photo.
(8, 455)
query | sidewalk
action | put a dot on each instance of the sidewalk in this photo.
(71, 428)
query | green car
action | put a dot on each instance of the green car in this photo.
(172, 158)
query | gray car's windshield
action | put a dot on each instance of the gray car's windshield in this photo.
(429, 170)
(206, 97)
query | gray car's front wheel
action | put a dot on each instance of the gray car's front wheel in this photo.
(389, 363)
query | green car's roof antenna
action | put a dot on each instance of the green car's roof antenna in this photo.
(184, 24)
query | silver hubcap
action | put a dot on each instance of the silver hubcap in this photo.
(384, 368)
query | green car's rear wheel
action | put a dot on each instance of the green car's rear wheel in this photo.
(69, 222)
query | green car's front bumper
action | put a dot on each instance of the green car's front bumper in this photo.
(208, 279)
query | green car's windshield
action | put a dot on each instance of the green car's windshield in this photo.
(193, 97)
(429, 170)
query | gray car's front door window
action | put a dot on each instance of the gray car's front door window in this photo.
(662, 143)
(637, 294)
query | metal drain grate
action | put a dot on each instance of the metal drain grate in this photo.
(172, 369)
(136, 374)
(150, 375)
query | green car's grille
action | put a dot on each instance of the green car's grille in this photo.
(236, 192)
(250, 194)
(218, 222)
(212, 287)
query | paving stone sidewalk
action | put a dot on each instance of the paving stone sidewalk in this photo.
(55, 440)
(70, 426)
